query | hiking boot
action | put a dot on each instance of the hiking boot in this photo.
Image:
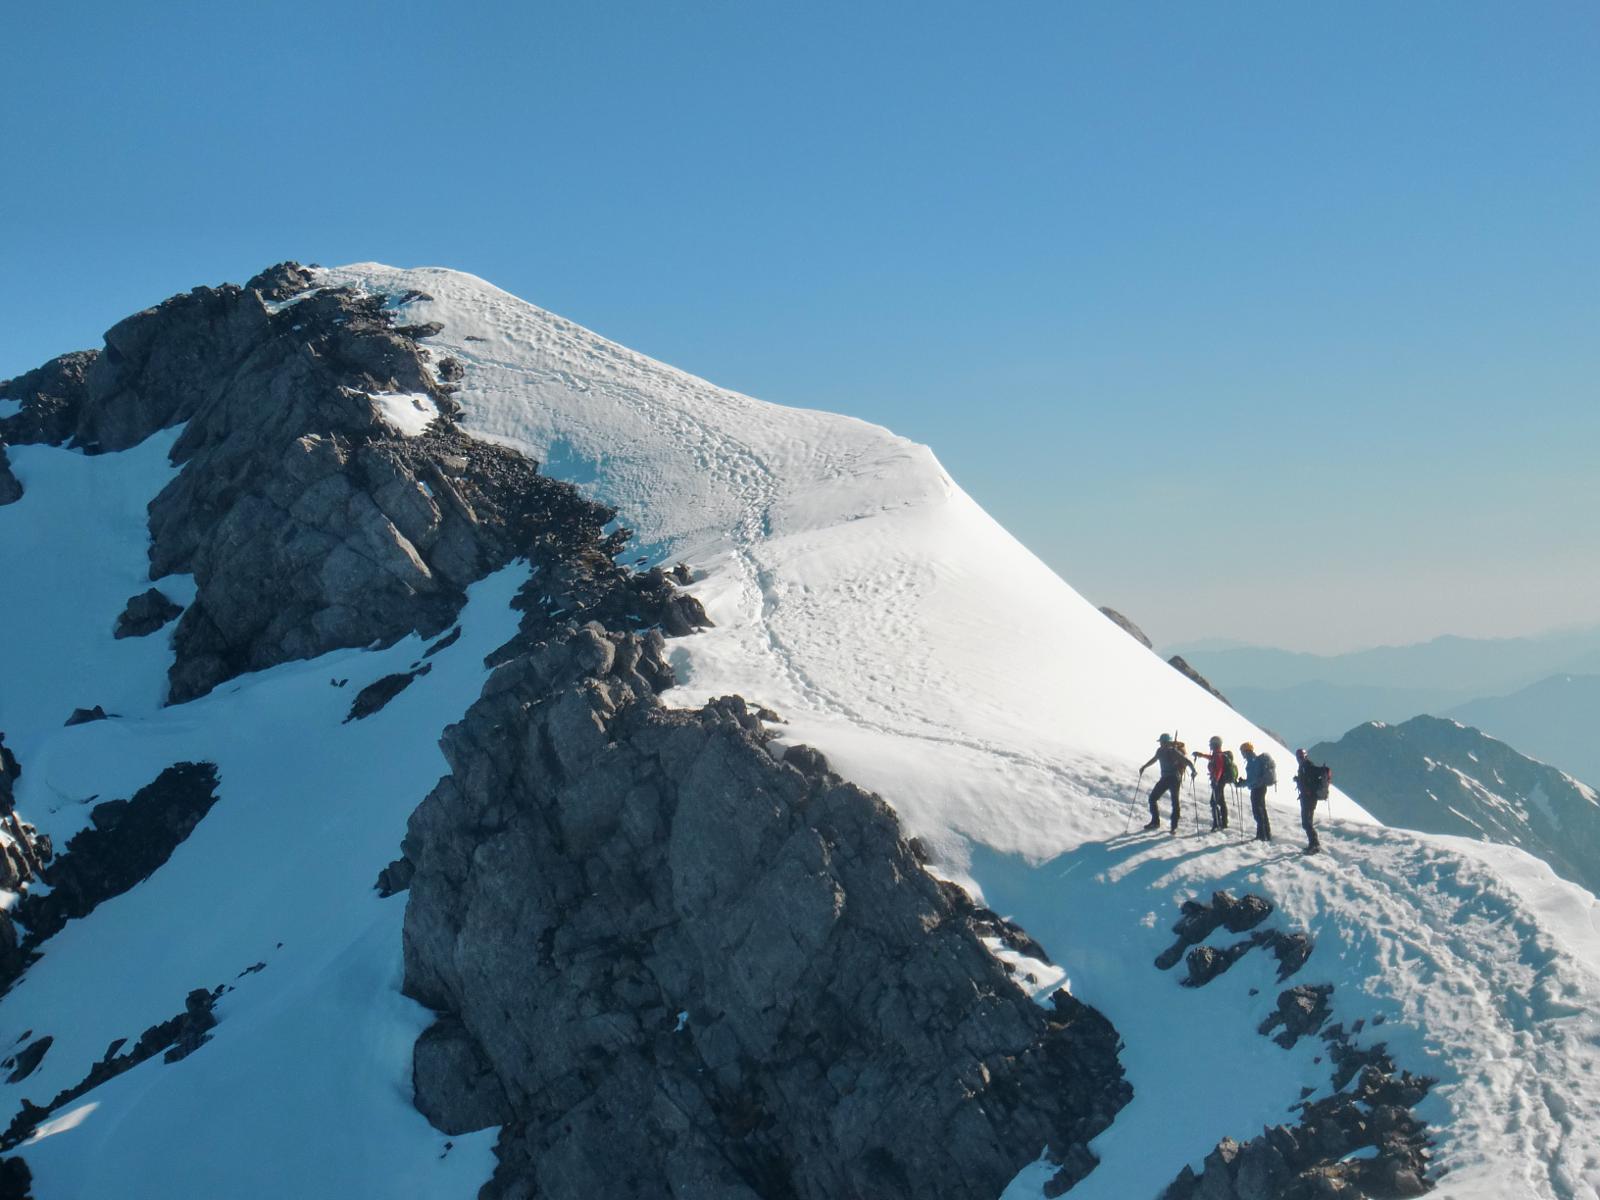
(1153, 823)
(1313, 849)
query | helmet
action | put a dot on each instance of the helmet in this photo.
(1165, 739)
(1247, 749)
(1216, 743)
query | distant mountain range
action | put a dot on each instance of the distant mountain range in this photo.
(1539, 693)
(1441, 776)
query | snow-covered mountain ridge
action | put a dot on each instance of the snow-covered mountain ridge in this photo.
(1442, 776)
(860, 594)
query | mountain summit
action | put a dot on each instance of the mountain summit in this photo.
(541, 772)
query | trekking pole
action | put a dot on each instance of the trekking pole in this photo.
(1133, 803)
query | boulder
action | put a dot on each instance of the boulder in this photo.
(144, 614)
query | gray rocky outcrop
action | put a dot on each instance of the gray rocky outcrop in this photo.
(145, 613)
(1127, 626)
(51, 397)
(308, 523)
(666, 962)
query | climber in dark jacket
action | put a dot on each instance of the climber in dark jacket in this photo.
(1306, 780)
(1173, 763)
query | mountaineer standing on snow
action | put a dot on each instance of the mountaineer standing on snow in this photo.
(1312, 782)
(1220, 762)
(1260, 773)
(1173, 762)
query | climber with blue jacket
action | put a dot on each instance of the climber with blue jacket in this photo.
(1260, 773)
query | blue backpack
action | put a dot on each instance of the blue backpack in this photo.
(1269, 771)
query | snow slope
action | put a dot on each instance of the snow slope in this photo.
(858, 591)
(862, 594)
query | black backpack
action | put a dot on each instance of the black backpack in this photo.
(1321, 780)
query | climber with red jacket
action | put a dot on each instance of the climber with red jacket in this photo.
(1219, 782)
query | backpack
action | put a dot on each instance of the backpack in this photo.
(1321, 781)
(1230, 769)
(1269, 770)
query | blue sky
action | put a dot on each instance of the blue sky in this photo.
(1266, 321)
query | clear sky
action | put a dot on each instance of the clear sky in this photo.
(1270, 321)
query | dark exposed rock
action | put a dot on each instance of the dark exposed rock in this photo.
(395, 878)
(375, 696)
(690, 967)
(1127, 626)
(28, 1059)
(1207, 962)
(985, 922)
(455, 1086)
(417, 332)
(10, 485)
(1178, 664)
(807, 760)
(174, 1039)
(1311, 1159)
(1292, 950)
(16, 1181)
(280, 282)
(443, 643)
(1198, 921)
(307, 522)
(450, 370)
(145, 613)
(127, 842)
(1301, 1011)
(51, 396)
(82, 716)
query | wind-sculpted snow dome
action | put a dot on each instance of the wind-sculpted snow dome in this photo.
(1401, 1012)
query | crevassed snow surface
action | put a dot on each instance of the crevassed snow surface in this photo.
(863, 595)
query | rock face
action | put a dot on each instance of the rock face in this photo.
(665, 961)
(308, 522)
